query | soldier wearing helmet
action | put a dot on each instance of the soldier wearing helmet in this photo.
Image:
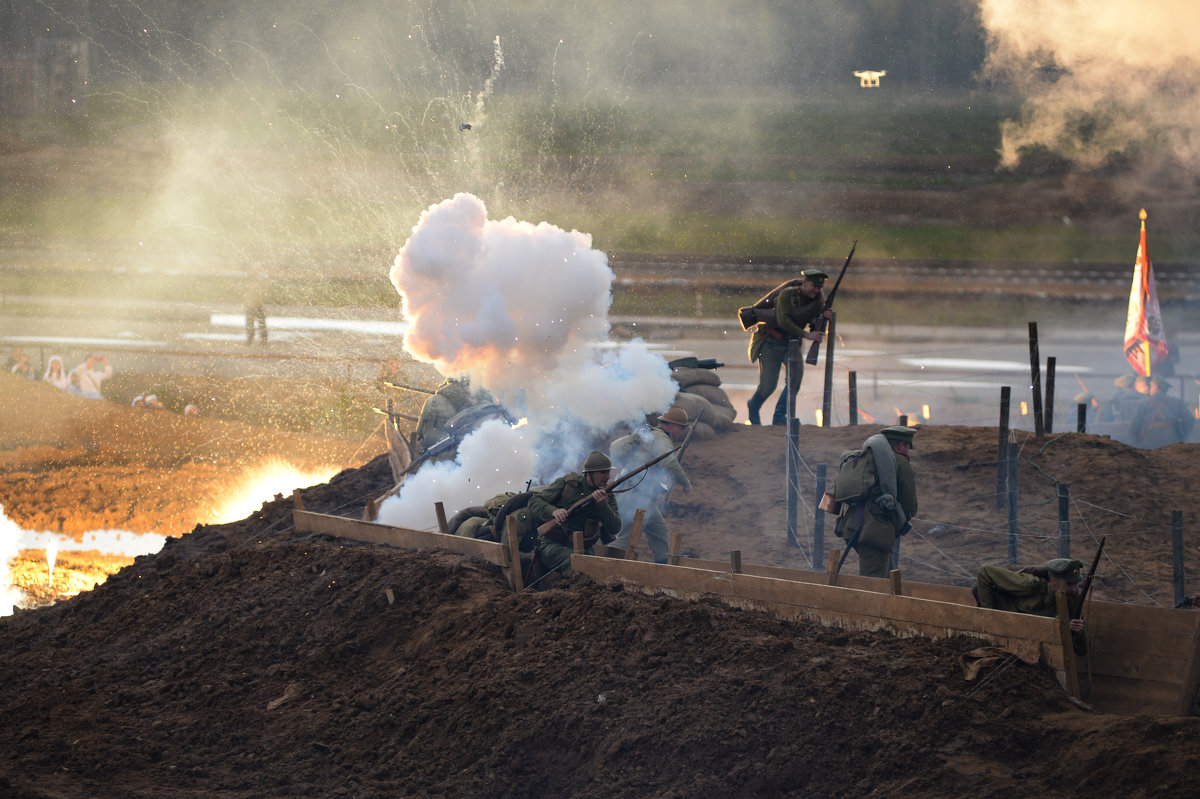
(554, 548)
(637, 448)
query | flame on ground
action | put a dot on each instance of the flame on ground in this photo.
(261, 483)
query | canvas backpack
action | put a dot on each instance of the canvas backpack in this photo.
(764, 309)
(855, 476)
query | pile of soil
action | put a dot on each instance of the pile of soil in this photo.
(249, 660)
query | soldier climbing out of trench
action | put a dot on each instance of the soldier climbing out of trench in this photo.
(1032, 589)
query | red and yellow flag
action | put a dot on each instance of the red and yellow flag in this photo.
(1145, 339)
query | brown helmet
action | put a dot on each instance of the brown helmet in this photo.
(597, 462)
(675, 415)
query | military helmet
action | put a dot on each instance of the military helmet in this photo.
(597, 462)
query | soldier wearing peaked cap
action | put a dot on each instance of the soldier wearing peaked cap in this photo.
(1032, 590)
(872, 526)
(797, 307)
(637, 448)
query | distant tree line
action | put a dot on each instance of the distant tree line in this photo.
(545, 45)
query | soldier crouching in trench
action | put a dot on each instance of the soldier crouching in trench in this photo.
(1032, 590)
(556, 545)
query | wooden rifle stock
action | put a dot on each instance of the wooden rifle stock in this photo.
(550, 524)
(819, 324)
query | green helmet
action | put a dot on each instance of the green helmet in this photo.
(597, 462)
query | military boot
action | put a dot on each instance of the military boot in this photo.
(780, 415)
(753, 405)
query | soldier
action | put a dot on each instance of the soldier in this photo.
(632, 451)
(555, 546)
(796, 309)
(451, 397)
(1032, 590)
(871, 527)
(1160, 419)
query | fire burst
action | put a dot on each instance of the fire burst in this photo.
(275, 476)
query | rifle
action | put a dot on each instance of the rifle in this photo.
(819, 325)
(1077, 611)
(682, 449)
(849, 546)
(403, 387)
(549, 525)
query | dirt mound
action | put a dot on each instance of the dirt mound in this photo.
(248, 659)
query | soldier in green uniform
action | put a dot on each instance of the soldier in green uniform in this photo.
(632, 451)
(796, 309)
(885, 514)
(1032, 591)
(555, 547)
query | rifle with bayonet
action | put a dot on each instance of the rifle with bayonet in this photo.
(581, 504)
(404, 387)
(819, 324)
(1086, 585)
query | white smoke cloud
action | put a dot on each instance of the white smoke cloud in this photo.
(1100, 78)
(523, 310)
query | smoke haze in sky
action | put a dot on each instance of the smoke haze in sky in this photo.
(1100, 78)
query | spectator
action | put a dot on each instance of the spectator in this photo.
(191, 410)
(87, 376)
(55, 375)
(19, 364)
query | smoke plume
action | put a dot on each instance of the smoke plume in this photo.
(1101, 79)
(521, 309)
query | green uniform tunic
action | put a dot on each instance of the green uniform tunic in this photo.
(555, 547)
(795, 312)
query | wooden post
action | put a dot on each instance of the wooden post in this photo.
(1081, 417)
(792, 442)
(835, 555)
(852, 390)
(818, 546)
(577, 541)
(1191, 674)
(440, 510)
(1012, 502)
(827, 394)
(676, 540)
(903, 420)
(297, 500)
(635, 533)
(1068, 646)
(515, 574)
(735, 561)
(1035, 374)
(370, 511)
(1050, 363)
(1177, 551)
(1002, 449)
(895, 583)
(1064, 520)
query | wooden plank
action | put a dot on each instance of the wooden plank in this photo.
(1108, 693)
(833, 605)
(402, 537)
(1191, 672)
(635, 533)
(1134, 665)
(515, 574)
(443, 524)
(1062, 622)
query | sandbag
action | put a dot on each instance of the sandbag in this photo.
(694, 404)
(713, 394)
(688, 376)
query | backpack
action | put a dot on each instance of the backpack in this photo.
(855, 476)
(764, 309)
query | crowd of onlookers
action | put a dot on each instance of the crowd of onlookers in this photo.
(84, 380)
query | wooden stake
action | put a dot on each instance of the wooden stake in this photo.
(735, 561)
(514, 554)
(635, 533)
(440, 510)
(676, 541)
(894, 582)
(1068, 646)
(297, 500)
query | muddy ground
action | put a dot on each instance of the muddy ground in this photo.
(248, 660)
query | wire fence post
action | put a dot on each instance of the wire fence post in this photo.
(1081, 417)
(1050, 366)
(793, 443)
(853, 392)
(1002, 448)
(1011, 464)
(819, 521)
(1064, 520)
(827, 399)
(1035, 373)
(1177, 551)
